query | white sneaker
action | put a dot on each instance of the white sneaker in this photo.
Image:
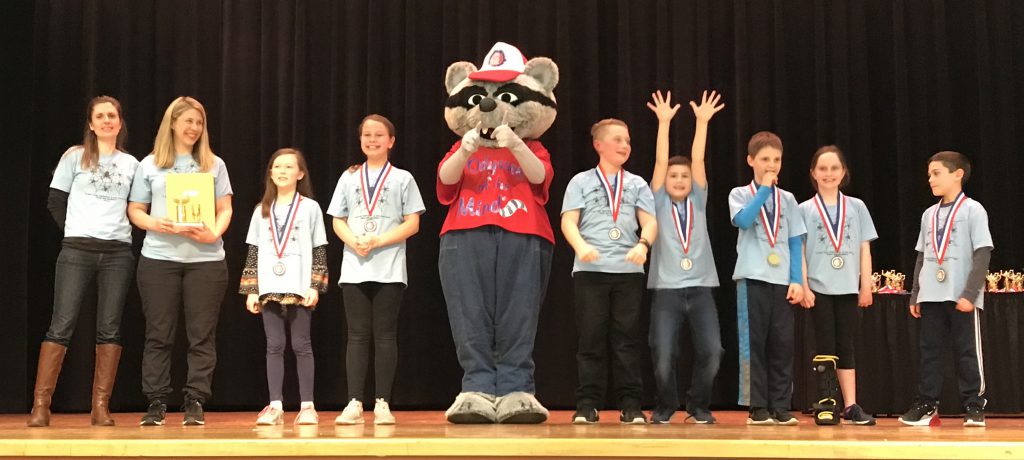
(307, 416)
(382, 413)
(270, 416)
(352, 414)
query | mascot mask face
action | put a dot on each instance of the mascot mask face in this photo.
(507, 89)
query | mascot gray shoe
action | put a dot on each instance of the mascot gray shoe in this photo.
(472, 407)
(520, 407)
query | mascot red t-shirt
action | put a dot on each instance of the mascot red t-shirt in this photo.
(494, 191)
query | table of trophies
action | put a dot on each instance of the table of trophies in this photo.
(887, 352)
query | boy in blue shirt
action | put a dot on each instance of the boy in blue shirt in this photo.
(768, 279)
(682, 266)
(953, 250)
(600, 215)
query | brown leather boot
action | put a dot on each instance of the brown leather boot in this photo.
(107, 357)
(51, 357)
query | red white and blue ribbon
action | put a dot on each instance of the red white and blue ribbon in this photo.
(684, 236)
(614, 193)
(941, 245)
(835, 231)
(371, 201)
(771, 231)
(281, 236)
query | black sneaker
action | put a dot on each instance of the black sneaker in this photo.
(760, 416)
(661, 416)
(154, 414)
(974, 416)
(632, 417)
(920, 414)
(701, 417)
(783, 417)
(855, 415)
(585, 416)
(193, 410)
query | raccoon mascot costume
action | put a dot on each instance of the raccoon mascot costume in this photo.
(496, 242)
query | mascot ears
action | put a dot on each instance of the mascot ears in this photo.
(504, 63)
(457, 73)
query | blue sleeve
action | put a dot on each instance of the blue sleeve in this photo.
(745, 218)
(796, 271)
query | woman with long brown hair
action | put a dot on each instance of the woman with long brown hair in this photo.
(88, 198)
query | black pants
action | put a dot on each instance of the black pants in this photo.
(168, 288)
(608, 319)
(371, 311)
(766, 344)
(941, 322)
(835, 324)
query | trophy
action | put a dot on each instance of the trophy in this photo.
(898, 280)
(993, 282)
(180, 214)
(190, 199)
(876, 281)
(1016, 282)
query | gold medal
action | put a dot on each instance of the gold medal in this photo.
(774, 259)
(369, 225)
(838, 262)
(279, 268)
(614, 234)
(686, 264)
(940, 275)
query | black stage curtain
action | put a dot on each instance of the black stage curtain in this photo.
(890, 81)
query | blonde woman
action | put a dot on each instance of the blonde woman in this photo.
(181, 268)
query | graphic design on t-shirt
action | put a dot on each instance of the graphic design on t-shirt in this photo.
(190, 167)
(108, 182)
(501, 206)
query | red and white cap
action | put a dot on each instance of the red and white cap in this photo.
(503, 62)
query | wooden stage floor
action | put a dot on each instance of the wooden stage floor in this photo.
(426, 435)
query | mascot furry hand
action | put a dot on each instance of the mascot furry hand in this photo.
(496, 241)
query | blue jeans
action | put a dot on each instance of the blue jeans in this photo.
(76, 271)
(670, 310)
(494, 282)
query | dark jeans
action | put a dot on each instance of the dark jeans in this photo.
(608, 320)
(494, 282)
(168, 288)
(76, 271)
(835, 323)
(297, 318)
(766, 344)
(371, 309)
(671, 309)
(941, 322)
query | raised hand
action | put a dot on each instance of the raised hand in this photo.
(708, 107)
(505, 137)
(662, 106)
(471, 140)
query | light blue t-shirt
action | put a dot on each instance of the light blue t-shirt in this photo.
(97, 199)
(150, 187)
(970, 232)
(587, 193)
(752, 245)
(399, 197)
(858, 227)
(307, 232)
(667, 254)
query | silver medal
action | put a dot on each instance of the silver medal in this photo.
(940, 276)
(614, 234)
(369, 225)
(838, 262)
(686, 264)
(279, 268)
